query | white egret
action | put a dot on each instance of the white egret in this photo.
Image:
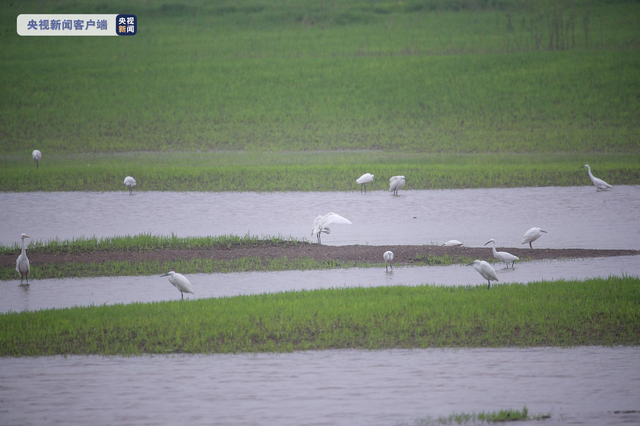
(396, 183)
(321, 224)
(503, 256)
(130, 183)
(485, 270)
(364, 180)
(531, 235)
(599, 183)
(37, 156)
(22, 263)
(388, 258)
(452, 243)
(180, 282)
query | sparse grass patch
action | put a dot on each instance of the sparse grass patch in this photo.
(486, 417)
(556, 313)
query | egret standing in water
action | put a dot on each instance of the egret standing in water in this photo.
(396, 183)
(388, 258)
(37, 156)
(485, 270)
(180, 282)
(531, 235)
(22, 263)
(503, 256)
(599, 183)
(130, 183)
(364, 180)
(321, 224)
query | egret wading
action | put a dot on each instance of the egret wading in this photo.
(599, 183)
(531, 235)
(485, 270)
(452, 243)
(396, 183)
(321, 224)
(503, 256)
(37, 156)
(130, 183)
(22, 263)
(388, 258)
(364, 180)
(180, 282)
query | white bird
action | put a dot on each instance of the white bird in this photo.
(503, 256)
(531, 235)
(22, 263)
(364, 180)
(485, 270)
(37, 156)
(180, 282)
(388, 258)
(130, 183)
(396, 183)
(599, 183)
(321, 224)
(452, 243)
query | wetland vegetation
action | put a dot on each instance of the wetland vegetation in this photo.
(557, 313)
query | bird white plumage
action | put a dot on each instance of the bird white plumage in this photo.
(388, 258)
(321, 224)
(364, 180)
(599, 183)
(503, 256)
(452, 243)
(37, 156)
(531, 235)
(485, 270)
(180, 282)
(22, 262)
(130, 183)
(396, 183)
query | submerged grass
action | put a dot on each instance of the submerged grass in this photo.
(309, 171)
(486, 417)
(559, 313)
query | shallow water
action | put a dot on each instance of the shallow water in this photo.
(575, 217)
(62, 293)
(584, 386)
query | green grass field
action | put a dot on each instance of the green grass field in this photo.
(411, 85)
(559, 313)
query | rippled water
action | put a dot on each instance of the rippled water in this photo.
(584, 386)
(61, 293)
(576, 217)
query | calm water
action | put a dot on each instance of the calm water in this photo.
(576, 217)
(583, 386)
(61, 293)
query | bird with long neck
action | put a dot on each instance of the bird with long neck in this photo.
(22, 263)
(599, 183)
(503, 256)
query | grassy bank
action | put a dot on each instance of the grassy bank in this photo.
(309, 171)
(560, 313)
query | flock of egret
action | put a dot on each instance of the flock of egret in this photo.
(321, 225)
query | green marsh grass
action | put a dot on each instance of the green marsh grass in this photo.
(559, 313)
(148, 242)
(420, 76)
(309, 171)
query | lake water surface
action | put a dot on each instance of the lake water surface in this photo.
(575, 217)
(577, 386)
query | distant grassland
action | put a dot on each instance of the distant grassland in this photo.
(419, 76)
(559, 313)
